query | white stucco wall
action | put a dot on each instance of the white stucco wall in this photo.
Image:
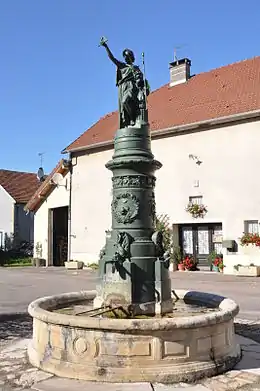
(227, 178)
(6, 212)
(58, 198)
(90, 205)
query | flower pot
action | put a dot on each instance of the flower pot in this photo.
(181, 267)
(215, 268)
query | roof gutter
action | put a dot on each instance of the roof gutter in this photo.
(179, 129)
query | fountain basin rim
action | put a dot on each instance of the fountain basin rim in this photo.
(41, 309)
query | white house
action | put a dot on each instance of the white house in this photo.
(51, 206)
(16, 188)
(206, 132)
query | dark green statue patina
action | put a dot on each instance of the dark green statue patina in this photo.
(133, 265)
(132, 88)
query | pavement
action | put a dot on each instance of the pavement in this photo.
(18, 287)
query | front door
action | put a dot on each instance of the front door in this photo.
(60, 235)
(199, 240)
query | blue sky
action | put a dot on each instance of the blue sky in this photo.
(55, 81)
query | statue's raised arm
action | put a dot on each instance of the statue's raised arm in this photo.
(103, 42)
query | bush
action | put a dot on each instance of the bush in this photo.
(14, 256)
(162, 223)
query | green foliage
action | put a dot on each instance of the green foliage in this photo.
(18, 262)
(162, 223)
(93, 266)
(236, 267)
(177, 255)
(211, 257)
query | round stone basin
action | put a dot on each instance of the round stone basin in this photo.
(166, 350)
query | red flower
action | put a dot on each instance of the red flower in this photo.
(247, 239)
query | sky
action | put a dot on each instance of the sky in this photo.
(55, 81)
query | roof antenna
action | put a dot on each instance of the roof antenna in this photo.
(40, 173)
(40, 154)
(175, 58)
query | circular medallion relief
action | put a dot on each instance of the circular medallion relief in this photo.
(80, 346)
(125, 208)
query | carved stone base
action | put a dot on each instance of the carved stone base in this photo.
(165, 350)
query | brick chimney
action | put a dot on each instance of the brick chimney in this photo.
(179, 71)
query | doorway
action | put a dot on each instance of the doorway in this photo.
(199, 240)
(59, 220)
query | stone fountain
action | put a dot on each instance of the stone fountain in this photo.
(130, 330)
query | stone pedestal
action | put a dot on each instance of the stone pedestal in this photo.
(132, 266)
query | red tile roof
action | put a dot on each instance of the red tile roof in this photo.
(20, 185)
(46, 187)
(229, 90)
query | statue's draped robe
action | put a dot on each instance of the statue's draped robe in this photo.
(127, 78)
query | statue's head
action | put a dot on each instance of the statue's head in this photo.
(128, 56)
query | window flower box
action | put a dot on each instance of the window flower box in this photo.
(196, 210)
(250, 239)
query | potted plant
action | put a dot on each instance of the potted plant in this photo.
(196, 210)
(212, 255)
(251, 270)
(189, 263)
(181, 266)
(218, 265)
(38, 261)
(177, 257)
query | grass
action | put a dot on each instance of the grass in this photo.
(17, 262)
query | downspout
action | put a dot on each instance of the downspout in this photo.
(69, 209)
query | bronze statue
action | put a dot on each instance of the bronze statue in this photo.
(132, 87)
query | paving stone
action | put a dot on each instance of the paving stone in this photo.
(227, 383)
(250, 356)
(179, 387)
(31, 376)
(22, 344)
(59, 384)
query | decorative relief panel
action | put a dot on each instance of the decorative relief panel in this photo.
(171, 349)
(133, 181)
(152, 207)
(125, 208)
(125, 348)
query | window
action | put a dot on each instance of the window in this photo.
(251, 227)
(1, 239)
(196, 200)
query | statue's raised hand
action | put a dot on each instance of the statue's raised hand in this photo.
(103, 41)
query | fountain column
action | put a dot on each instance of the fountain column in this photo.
(132, 268)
